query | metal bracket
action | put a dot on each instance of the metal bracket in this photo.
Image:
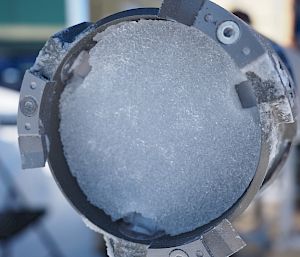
(221, 241)
(35, 95)
(184, 11)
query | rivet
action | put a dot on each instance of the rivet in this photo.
(27, 126)
(246, 51)
(33, 85)
(209, 17)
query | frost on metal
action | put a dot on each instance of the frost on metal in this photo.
(117, 247)
(53, 53)
(274, 93)
(50, 57)
(221, 241)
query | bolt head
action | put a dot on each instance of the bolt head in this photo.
(28, 106)
(228, 32)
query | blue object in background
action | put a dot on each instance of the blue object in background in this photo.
(12, 70)
(15, 59)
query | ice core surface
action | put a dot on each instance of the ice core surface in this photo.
(156, 128)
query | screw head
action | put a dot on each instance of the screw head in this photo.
(28, 106)
(228, 33)
(178, 253)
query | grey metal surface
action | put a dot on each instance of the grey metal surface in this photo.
(183, 11)
(33, 118)
(193, 249)
(246, 94)
(245, 50)
(221, 241)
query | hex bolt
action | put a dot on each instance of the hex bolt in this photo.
(178, 253)
(28, 106)
(228, 32)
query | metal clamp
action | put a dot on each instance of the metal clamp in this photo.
(221, 241)
(183, 11)
(32, 119)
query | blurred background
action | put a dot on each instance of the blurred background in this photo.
(44, 223)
